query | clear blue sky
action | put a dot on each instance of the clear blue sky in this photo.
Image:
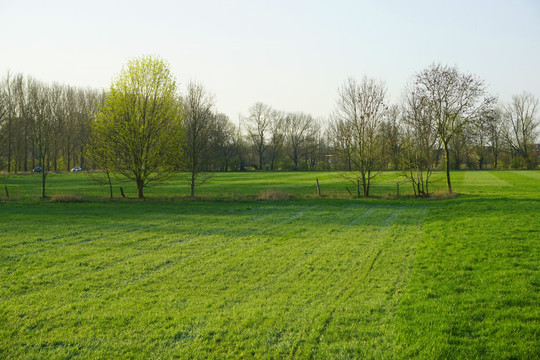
(292, 55)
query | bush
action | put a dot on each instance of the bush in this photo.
(271, 194)
(67, 198)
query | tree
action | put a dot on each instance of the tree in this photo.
(277, 136)
(259, 121)
(98, 152)
(419, 144)
(487, 133)
(361, 107)
(521, 116)
(39, 100)
(139, 125)
(391, 137)
(199, 126)
(222, 142)
(10, 86)
(300, 129)
(459, 146)
(4, 105)
(454, 99)
(495, 134)
(340, 135)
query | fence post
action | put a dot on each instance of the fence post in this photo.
(318, 187)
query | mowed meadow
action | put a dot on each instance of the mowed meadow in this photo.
(260, 266)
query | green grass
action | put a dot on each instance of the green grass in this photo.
(237, 186)
(303, 278)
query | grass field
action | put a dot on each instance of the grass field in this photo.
(233, 277)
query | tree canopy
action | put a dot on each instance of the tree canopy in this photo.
(138, 132)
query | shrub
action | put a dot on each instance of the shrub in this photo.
(67, 198)
(271, 194)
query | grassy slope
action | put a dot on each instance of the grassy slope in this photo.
(304, 278)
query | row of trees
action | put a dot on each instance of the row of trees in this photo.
(42, 124)
(144, 128)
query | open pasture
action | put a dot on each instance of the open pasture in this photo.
(250, 185)
(320, 278)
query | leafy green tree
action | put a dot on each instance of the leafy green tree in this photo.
(138, 132)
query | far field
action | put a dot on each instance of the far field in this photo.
(234, 276)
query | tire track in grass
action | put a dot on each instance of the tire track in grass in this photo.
(265, 289)
(183, 261)
(150, 273)
(385, 233)
(41, 275)
(346, 293)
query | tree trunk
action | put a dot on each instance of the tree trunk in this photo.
(366, 188)
(447, 162)
(140, 186)
(192, 193)
(110, 184)
(43, 176)
(68, 154)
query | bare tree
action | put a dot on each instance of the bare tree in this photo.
(40, 99)
(277, 136)
(495, 129)
(390, 134)
(241, 148)
(340, 137)
(3, 116)
(9, 85)
(21, 124)
(346, 114)
(362, 107)
(199, 125)
(259, 121)
(484, 135)
(222, 142)
(521, 116)
(459, 147)
(420, 143)
(19, 143)
(454, 99)
(299, 130)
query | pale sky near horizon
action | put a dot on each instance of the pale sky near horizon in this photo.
(291, 55)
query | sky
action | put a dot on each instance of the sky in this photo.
(291, 55)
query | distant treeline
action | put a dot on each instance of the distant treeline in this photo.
(364, 133)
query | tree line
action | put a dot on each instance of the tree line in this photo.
(145, 128)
